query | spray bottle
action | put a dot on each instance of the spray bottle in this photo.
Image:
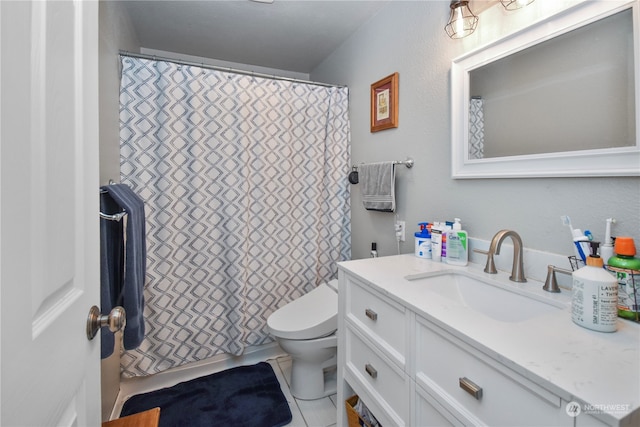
(606, 250)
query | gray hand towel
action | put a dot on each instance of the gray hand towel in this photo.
(378, 186)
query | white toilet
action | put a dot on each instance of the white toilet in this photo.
(306, 329)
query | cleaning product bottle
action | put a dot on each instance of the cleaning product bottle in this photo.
(423, 241)
(457, 249)
(627, 273)
(594, 297)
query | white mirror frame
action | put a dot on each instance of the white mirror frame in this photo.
(623, 161)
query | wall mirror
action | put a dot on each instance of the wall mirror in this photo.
(558, 98)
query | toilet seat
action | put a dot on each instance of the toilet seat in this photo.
(313, 315)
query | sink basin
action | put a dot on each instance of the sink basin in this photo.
(497, 301)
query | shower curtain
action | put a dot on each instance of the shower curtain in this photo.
(476, 128)
(247, 201)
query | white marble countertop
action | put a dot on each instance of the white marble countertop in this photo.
(577, 364)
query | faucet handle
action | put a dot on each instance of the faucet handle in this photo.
(490, 268)
(551, 283)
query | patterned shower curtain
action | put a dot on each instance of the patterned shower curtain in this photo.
(247, 201)
(476, 128)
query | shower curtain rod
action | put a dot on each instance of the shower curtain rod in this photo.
(226, 69)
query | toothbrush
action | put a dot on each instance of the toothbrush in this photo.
(579, 240)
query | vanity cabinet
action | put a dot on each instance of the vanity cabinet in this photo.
(408, 370)
(373, 347)
(469, 388)
(419, 357)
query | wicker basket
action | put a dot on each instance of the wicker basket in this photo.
(353, 418)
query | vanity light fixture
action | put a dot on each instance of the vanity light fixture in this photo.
(462, 21)
(515, 4)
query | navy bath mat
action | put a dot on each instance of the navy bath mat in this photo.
(242, 396)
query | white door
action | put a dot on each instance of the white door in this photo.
(49, 235)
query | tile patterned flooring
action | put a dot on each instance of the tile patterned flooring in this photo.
(306, 413)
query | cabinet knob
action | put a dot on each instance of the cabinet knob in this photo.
(371, 314)
(470, 387)
(373, 373)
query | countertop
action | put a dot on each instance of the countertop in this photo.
(577, 364)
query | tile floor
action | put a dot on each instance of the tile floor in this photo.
(306, 413)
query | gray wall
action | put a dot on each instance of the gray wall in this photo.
(408, 37)
(116, 33)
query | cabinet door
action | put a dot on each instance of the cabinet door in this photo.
(383, 321)
(383, 379)
(427, 411)
(506, 398)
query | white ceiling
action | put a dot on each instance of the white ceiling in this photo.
(286, 35)
(293, 35)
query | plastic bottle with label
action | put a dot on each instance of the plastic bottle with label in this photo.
(436, 241)
(626, 269)
(457, 245)
(423, 241)
(445, 227)
(594, 297)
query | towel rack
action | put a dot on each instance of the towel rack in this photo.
(408, 163)
(111, 217)
(114, 217)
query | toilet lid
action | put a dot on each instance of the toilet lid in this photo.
(313, 315)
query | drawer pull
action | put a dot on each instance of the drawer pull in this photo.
(470, 387)
(371, 314)
(373, 373)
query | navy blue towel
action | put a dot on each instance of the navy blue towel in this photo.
(111, 266)
(131, 295)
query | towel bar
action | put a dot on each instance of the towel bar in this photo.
(408, 163)
(111, 217)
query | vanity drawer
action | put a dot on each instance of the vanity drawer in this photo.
(385, 322)
(447, 367)
(381, 378)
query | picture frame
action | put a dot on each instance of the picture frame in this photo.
(384, 103)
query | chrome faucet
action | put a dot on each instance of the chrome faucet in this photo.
(517, 270)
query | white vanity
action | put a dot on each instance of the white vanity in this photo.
(424, 343)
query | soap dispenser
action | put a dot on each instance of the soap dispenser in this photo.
(594, 296)
(457, 245)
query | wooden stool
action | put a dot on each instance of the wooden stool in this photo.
(148, 418)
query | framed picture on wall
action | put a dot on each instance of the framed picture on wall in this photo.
(384, 103)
